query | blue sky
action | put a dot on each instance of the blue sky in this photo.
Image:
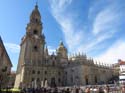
(93, 27)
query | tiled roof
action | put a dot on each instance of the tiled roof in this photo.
(121, 62)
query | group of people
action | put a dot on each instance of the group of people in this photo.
(105, 89)
(87, 89)
(52, 90)
(93, 89)
(97, 89)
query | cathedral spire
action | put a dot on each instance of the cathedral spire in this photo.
(35, 15)
(61, 43)
(34, 26)
(46, 51)
(62, 50)
(36, 6)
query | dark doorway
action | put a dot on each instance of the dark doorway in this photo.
(38, 83)
(95, 79)
(53, 83)
(86, 80)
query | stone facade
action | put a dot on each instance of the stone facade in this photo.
(5, 66)
(12, 77)
(36, 65)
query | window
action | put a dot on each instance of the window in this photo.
(32, 79)
(59, 80)
(53, 63)
(45, 72)
(4, 69)
(35, 32)
(38, 72)
(33, 72)
(66, 73)
(36, 20)
(35, 48)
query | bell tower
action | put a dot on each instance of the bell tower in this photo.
(31, 48)
(62, 52)
(35, 24)
(34, 41)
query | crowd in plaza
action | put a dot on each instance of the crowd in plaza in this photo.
(85, 89)
(89, 89)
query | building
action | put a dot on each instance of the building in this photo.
(122, 71)
(5, 65)
(36, 67)
(116, 69)
(12, 79)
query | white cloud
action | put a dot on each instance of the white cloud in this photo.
(66, 21)
(114, 53)
(106, 20)
(13, 48)
(105, 25)
(59, 4)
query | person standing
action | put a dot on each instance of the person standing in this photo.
(87, 90)
(67, 91)
(123, 89)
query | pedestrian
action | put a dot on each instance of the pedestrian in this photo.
(55, 90)
(77, 90)
(123, 89)
(67, 91)
(101, 90)
(87, 90)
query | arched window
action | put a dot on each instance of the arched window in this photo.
(95, 79)
(36, 20)
(65, 73)
(35, 32)
(53, 63)
(33, 72)
(35, 48)
(45, 72)
(38, 72)
(32, 79)
(59, 80)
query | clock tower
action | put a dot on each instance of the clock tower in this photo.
(32, 49)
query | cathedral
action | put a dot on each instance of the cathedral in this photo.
(37, 68)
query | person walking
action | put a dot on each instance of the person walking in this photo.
(87, 90)
(101, 90)
(123, 89)
(67, 91)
